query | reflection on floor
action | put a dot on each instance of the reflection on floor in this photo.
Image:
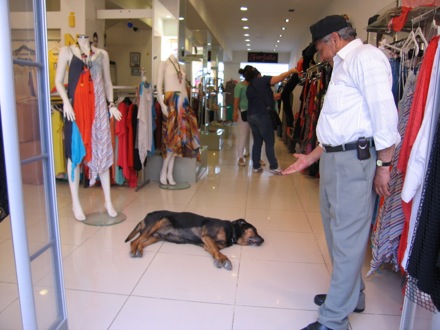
(177, 286)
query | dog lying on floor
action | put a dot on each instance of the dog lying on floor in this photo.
(185, 227)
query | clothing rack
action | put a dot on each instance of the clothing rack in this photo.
(131, 91)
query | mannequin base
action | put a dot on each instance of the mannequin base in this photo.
(177, 186)
(103, 219)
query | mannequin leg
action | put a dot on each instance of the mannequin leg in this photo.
(170, 170)
(74, 191)
(166, 173)
(105, 183)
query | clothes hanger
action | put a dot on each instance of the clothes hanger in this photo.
(22, 48)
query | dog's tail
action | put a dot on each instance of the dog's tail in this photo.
(134, 232)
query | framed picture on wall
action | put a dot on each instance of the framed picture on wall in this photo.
(135, 71)
(135, 60)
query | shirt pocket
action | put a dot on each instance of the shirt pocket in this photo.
(341, 98)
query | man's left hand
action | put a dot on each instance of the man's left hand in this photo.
(381, 181)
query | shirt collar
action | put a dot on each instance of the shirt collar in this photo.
(343, 53)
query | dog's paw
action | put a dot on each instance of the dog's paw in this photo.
(217, 263)
(139, 254)
(227, 265)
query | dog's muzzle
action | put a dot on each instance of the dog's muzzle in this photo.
(256, 240)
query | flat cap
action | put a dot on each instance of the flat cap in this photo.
(327, 25)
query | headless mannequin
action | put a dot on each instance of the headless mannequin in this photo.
(169, 81)
(65, 56)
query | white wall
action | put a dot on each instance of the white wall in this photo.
(358, 11)
(232, 67)
(120, 42)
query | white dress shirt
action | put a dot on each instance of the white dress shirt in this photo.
(359, 101)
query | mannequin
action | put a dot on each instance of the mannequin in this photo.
(179, 128)
(85, 104)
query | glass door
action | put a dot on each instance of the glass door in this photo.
(36, 292)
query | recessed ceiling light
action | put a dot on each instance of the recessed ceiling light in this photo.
(246, 27)
(168, 16)
(278, 41)
(249, 49)
(244, 19)
(283, 28)
(248, 45)
(247, 40)
(287, 20)
(181, 18)
(281, 35)
(246, 35)
(243, 8)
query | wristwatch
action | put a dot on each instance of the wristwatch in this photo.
(382, 163)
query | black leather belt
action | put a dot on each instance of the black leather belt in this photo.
(345, 147)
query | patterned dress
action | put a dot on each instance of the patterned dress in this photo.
(179, 130)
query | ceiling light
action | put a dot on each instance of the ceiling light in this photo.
(244, 19)
(181, 18)
(245, 27)
(243, 8)
(274, 50)
(246, 35)
(247, 40)
(287, 20)
(281, 35)
(278, 41)
(248, 45)
(249, 49)
(283, 28)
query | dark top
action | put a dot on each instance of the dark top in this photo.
(260, 96)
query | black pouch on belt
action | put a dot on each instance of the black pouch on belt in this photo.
(363, 148)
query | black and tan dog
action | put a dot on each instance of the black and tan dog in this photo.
(184, 227)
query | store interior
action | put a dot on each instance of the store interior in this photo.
(177, 286)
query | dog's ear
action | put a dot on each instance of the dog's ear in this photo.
(240, 222)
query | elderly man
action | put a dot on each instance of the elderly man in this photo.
(357, 133)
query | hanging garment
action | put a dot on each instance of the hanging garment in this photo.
(179, 130)
(145, 142)
(417, 163)
(423, 286)
(286, 96)
(121, 132)
(84, 108)
(57, 138)
(102, 150)
(414, 123)
(389, 223)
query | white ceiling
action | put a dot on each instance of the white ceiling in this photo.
(266, 18)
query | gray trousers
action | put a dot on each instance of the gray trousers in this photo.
(346, 201)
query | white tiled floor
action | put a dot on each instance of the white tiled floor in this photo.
(177, 286)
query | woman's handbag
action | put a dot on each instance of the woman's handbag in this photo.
(243, 115)
(275, 118)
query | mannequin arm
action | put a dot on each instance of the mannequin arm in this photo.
(63, 61)
(108, 87)
(160, 86)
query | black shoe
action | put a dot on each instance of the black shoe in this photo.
(316, 326)
(320, 298)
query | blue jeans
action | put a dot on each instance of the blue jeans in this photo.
(262, 130)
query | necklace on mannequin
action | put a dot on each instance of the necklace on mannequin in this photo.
(178, 71)
(87, 59)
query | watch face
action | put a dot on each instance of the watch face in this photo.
(378, 162)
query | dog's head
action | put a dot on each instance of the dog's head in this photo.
(246, 234)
